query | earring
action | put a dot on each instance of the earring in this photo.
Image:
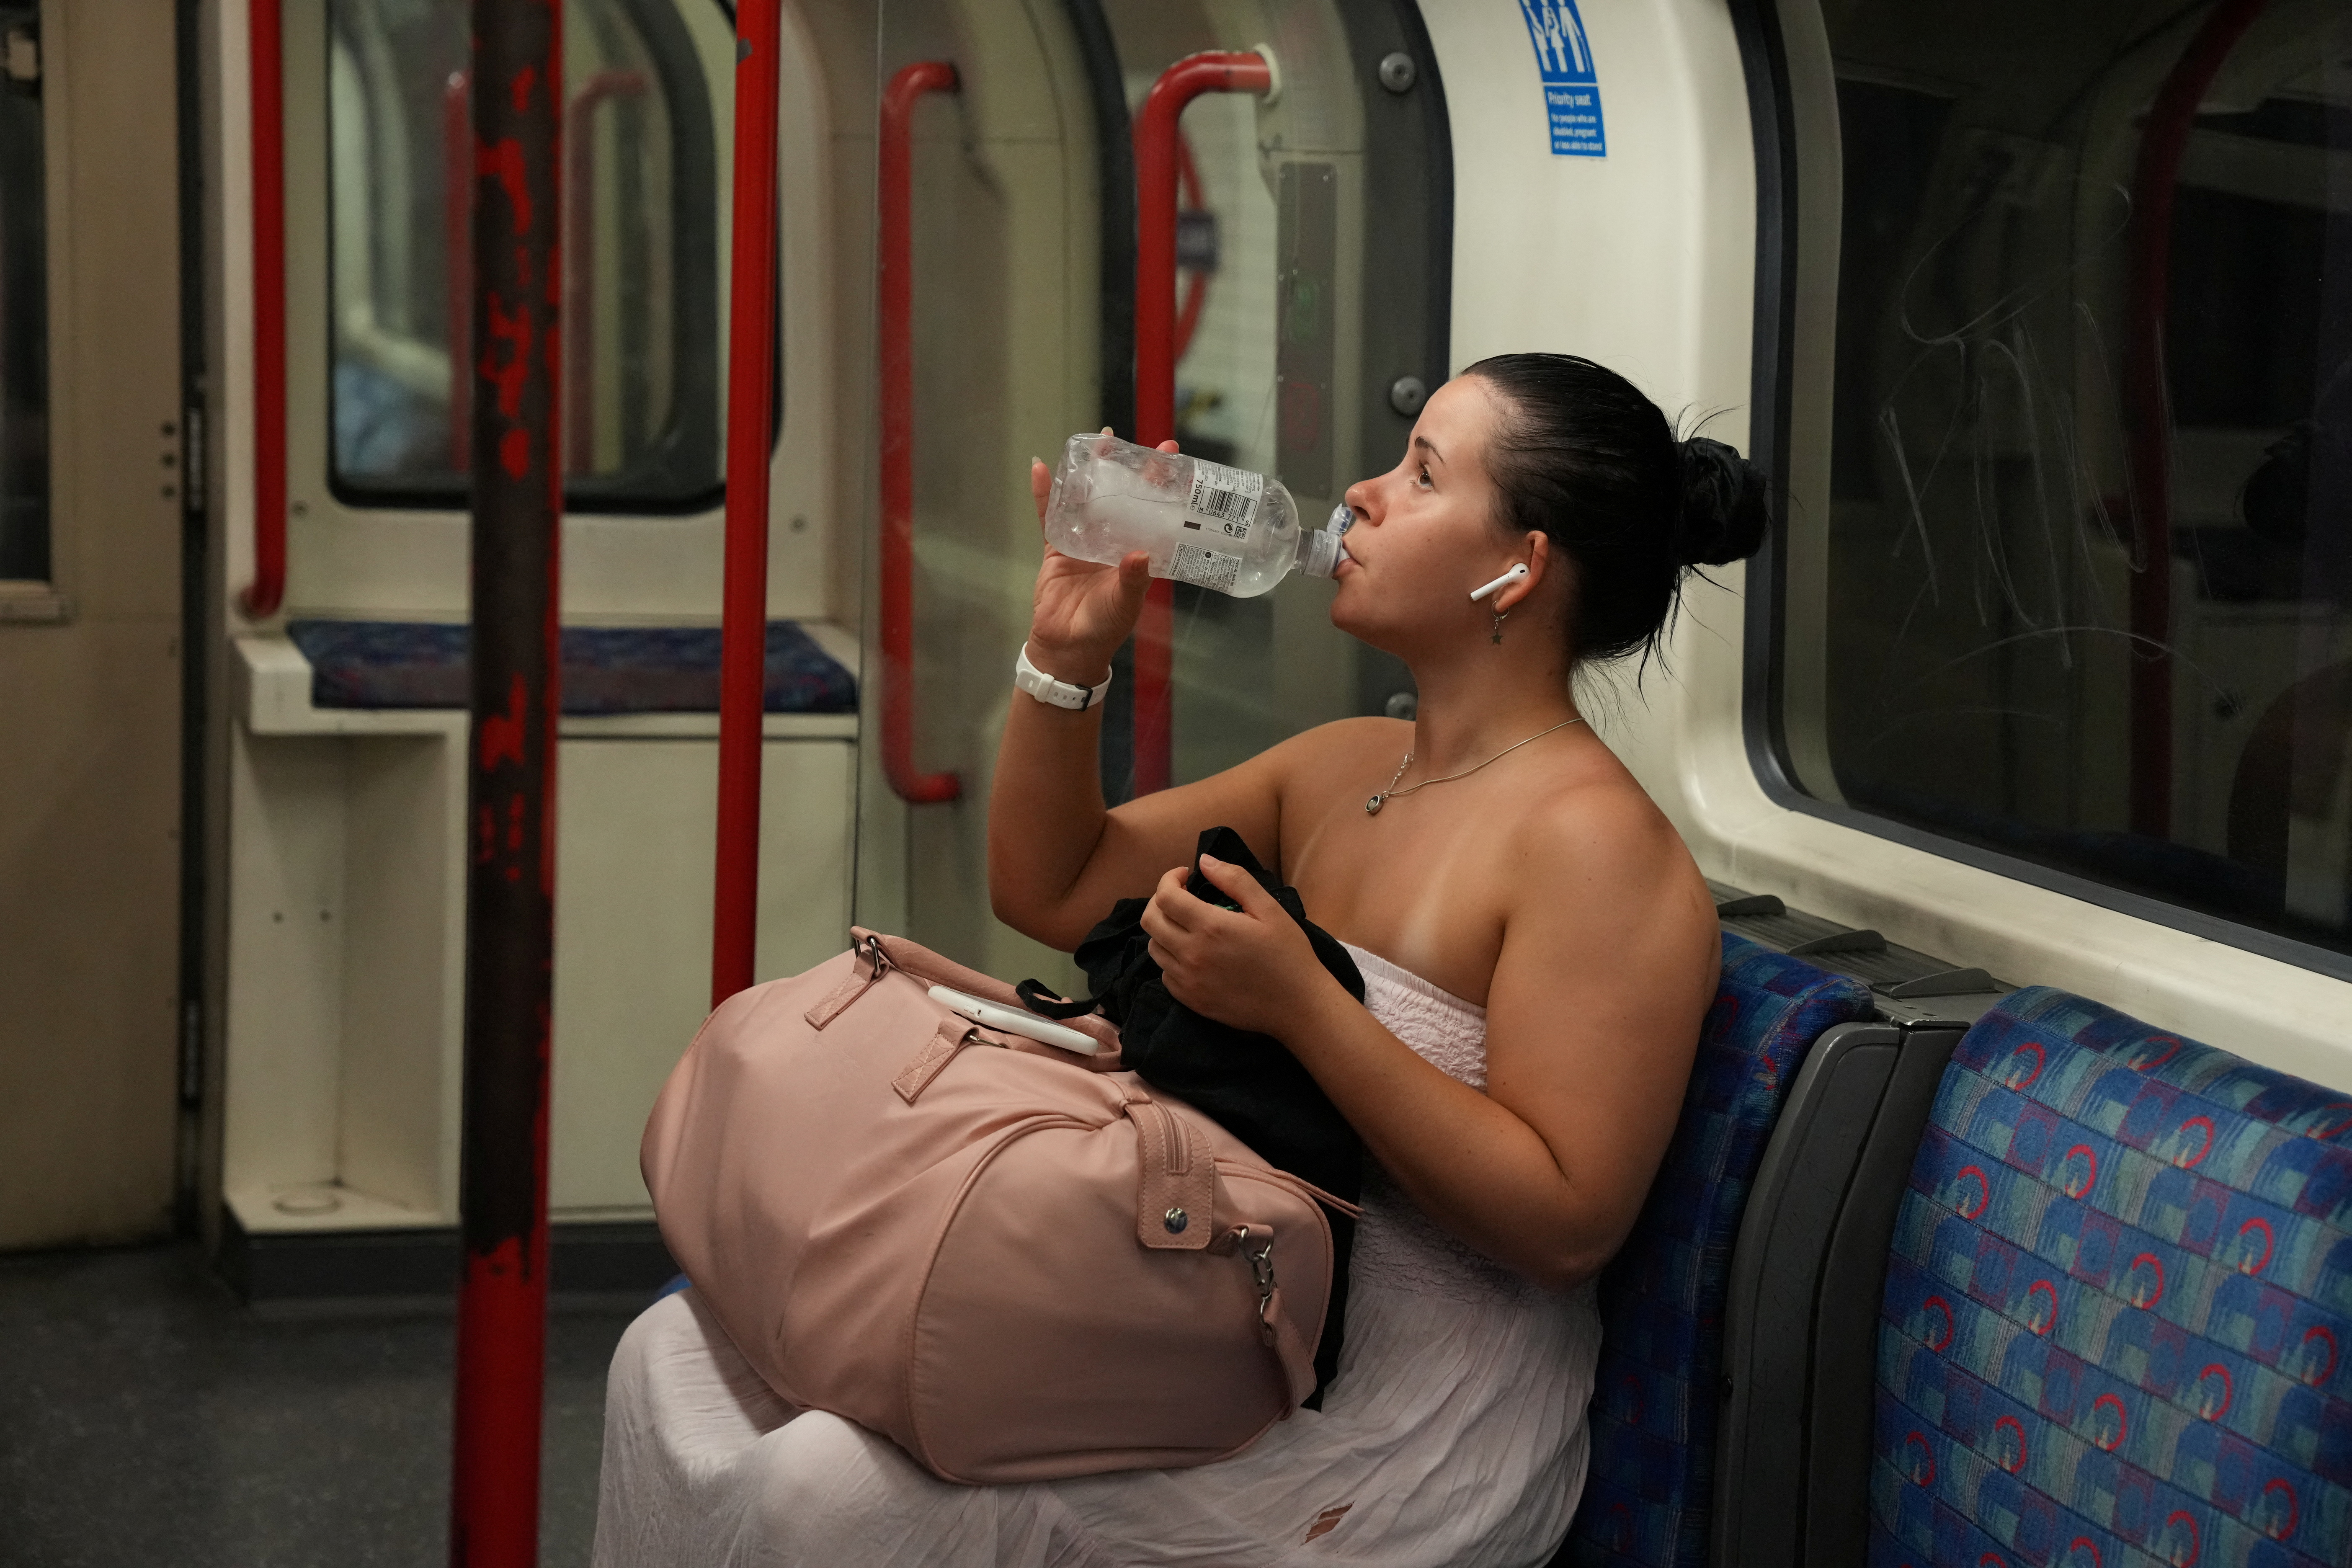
(1498, 638)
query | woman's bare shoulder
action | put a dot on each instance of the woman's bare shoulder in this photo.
(1600, 835)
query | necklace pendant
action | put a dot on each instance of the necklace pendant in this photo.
(1372, 807)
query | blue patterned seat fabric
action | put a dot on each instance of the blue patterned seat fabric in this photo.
(1650, 1482)
(2117, 1307)
(606, 669)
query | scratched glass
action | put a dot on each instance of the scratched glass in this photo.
(24, 305)
(2081, 588)
(643, 256)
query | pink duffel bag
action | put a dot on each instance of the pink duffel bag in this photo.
(1015, 1261)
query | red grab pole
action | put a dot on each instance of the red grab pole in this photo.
(1157, 158)
(895, 305)
(751, 413)
(264, 48)
(2149, 416)
(518, 514)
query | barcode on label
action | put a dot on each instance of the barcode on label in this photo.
(1226, 496)
(1207, 568)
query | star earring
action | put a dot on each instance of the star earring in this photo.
(1513, 576)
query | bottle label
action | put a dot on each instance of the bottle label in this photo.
(1206, 568)
(1225, 500)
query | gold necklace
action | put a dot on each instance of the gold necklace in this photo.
(1372, 807)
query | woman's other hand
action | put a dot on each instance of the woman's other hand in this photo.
(1082, 612)
(1253, 969)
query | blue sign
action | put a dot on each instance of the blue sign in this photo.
(1571, 86)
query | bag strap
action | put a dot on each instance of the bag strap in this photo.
(1293, 1357)
(954, 1034)
(1046, 1003)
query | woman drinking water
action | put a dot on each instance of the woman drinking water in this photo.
(1537, 950)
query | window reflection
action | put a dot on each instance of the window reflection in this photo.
(641, 255)
(2090, 521)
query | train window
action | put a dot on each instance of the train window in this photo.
(642, 266)
(2088, 554)
(24, 305)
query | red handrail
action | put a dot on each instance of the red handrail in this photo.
(457, 260)
(264, 48)
(580, 253)
(894, 289)
(750, 387)
(2164, 137)
(1158, 142)
(1196, 286)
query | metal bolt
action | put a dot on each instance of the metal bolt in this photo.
(1407, 394)
(1401, 705)
(1176, 1220)
(1398, 73)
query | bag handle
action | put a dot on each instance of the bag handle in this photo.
(875, 956)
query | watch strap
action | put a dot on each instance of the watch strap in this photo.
(1053, 692)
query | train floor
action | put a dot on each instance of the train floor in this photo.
(148, 1418)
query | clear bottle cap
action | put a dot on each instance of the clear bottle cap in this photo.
(1321, 553)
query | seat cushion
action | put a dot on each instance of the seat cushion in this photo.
(2118, 1307)
(606, 669)
(1651, 1478)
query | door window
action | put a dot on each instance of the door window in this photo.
(642, 275)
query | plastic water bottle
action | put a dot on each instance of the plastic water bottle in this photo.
(1200, 522)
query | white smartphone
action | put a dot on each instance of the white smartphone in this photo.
(990, 1015)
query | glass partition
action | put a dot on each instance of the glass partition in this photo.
(2089, 509)
(643, 276)
(1312, 234)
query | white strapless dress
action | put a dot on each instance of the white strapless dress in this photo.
(1454, 1435)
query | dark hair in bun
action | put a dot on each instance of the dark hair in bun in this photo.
(1584, 458)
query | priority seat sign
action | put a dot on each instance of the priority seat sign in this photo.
(1571, 86)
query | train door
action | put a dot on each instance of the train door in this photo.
(1307, 316)
(90, 543)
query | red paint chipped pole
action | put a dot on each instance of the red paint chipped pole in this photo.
(517, 510)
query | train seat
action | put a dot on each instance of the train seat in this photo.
(2118, 1306)
(1649, 1482)
(606, 669)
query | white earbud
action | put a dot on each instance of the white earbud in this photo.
(1513, 576)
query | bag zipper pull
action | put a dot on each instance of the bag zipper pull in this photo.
(865, 945)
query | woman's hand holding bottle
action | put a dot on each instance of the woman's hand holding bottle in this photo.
(1081, 613)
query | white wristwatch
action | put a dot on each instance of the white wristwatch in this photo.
(1052, 693)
